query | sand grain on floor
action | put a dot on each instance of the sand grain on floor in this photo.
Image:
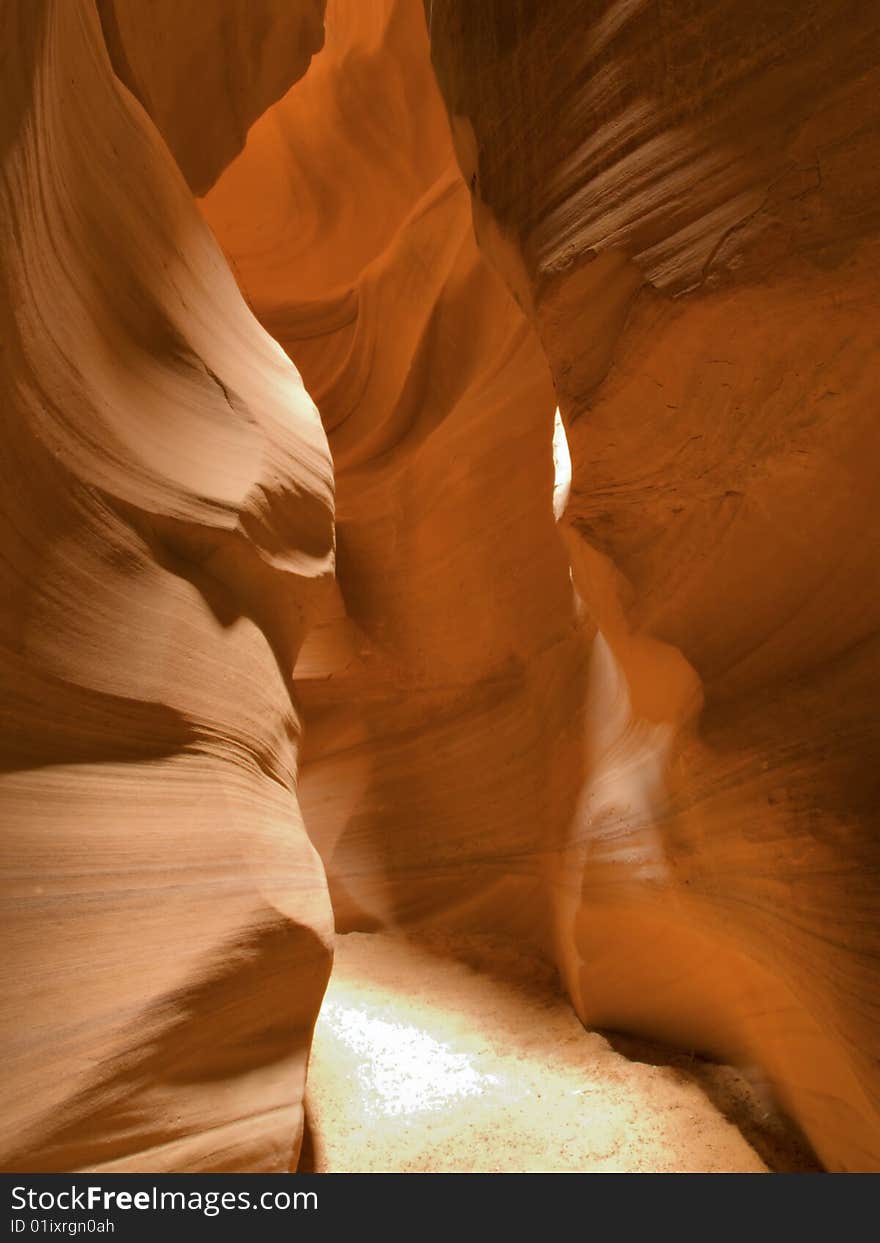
(462, 1055)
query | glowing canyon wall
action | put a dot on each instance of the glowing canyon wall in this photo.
(643, 738)
(685, 200)
(435, 689)
(167, 531)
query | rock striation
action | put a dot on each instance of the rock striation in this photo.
(683, 200)
(433, 687)
(167, 533)
(288, 645)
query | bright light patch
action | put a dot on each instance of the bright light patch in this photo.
(561, 468)
(404, 1069)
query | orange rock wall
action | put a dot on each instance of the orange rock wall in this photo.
(436, 688)
(167, 532)
(684, 198)
(644, 737)
(204, 70)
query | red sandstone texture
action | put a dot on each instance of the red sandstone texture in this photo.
(642, 739)
(167, 529)
(683, 199)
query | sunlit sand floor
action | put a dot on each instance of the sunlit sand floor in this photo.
(462, 1055)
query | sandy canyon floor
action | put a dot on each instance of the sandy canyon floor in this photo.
(462, 1055)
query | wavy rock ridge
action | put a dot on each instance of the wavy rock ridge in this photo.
(433, 678)
(683, 200)
(641, 738)
(168, 524)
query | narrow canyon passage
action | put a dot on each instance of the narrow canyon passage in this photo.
(439, 522)
(461, 1055)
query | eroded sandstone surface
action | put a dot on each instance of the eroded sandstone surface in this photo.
(640, 740)
(167, 529)
(683, 201)
(434, 688)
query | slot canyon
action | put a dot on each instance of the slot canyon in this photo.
(441, 585)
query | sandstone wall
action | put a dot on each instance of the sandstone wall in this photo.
(437, 687)
(643, 737)
(167, 532)
(684, 199)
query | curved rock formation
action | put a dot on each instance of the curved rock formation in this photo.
(205, 71)
(684, 199)
(167, 533)
(434, 690)
(642, 737)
